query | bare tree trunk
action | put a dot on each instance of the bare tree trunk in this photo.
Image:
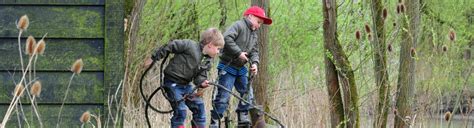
(380, 63)
(334, 93)
(262, 80)
(406, 79)
(339, 58)
(132, 29)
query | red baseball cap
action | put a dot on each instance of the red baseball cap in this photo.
(258, 12)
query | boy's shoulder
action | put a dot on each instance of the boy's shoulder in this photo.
(240, 23)
(184, 41)
(185, 44)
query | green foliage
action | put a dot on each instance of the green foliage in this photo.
(295, 40)
(296, 50)
(296, 35)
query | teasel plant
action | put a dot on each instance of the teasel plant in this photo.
(39, 50)
(35, 92)
(17, 93)
(76, 68)
(21, 25)
(86, 117)
(29, 49)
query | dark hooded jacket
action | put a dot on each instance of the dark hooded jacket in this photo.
(188, 63)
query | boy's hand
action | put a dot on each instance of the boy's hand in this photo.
(243, 56)
(204, 84)
(148, 62)
(254, 69)
(200, 92)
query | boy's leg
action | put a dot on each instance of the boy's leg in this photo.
(196, 105)
(243, 108)
(221, 102)
(175, 93)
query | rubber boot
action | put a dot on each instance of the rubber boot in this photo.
(243, 120)
(214, 123)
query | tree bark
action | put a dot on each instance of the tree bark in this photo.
(132, 28)
(406, 79)
(380, 64)
(223, 14)
(262, 79)
(344, 69)
(334, 93)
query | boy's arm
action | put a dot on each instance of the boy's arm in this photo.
(229, 37)
(175, 46)
(204, 68)
(254, 58)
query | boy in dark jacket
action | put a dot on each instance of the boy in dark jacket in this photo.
(240, 43)
(191, 62)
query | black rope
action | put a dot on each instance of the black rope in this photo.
(189, 96)
(147, 100)
(247, 102)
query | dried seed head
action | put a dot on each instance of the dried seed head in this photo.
(367, 28)
(357, 34)
(389, 47)
(412, 52)
(77, 66)
(445, 48)
(452, 35)
(40, 47)
(19, 89)
(398, 9)
(86, 116)
(384, 13)
(402, 8)
(447, 116)
(395, 111)
(30, 45)
(36, 89)
(23, 23)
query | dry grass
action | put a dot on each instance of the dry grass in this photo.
(287, 102)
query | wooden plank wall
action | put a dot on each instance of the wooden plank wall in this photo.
(87, 29)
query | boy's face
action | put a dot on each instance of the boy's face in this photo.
(256, 22)
(211, 50)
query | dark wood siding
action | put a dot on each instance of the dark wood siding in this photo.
(87, 29)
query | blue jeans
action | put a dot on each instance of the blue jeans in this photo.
(221, 101)
(176, 92)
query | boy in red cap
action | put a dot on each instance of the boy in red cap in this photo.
(240, 47)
